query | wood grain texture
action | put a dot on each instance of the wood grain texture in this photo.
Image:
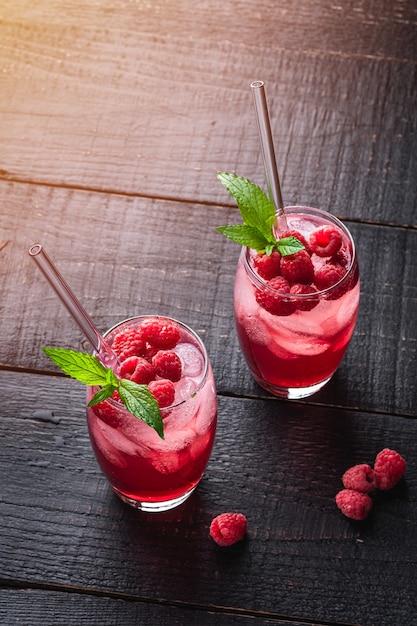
(66, 608)
(126, 256)
(57, 507)
(154, 99)
(114, 118)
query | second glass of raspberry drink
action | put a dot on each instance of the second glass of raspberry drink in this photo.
(296, 293)
(147, 472)
(295, 314)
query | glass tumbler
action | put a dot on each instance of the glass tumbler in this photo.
(147, 472)
(294, 334)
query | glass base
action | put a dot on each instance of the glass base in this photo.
(291, 393)
(154, 507)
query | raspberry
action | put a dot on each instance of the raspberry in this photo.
(304, 304)
(389, 467)
(108, 413)
(342, 257)
(360, 478)
(297, 235)
(228, 528)
(116, 396)
(167, 365)
(150, 352)
(160, 333)
(354, 504)
(298, 268)
(273, 299)
(138, 370)
(163, 392)
(267, 266)
(328, 275)
(325, 240)
(128, 343)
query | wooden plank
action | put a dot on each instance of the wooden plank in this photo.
(153, 100)
(301, 557)
(345, 28)
(127, 256)
(66, 608)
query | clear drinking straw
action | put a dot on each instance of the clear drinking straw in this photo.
(104, 353)
(268, 152)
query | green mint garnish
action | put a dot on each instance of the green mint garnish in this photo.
(88, 370)
(258, 214)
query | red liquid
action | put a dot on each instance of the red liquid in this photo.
(301, 350)
(143, 468)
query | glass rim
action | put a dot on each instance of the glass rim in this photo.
(188, 329)
(263, 284)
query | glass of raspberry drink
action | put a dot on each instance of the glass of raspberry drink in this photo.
(296, 314)
(146, 471)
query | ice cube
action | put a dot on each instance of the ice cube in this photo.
(184, 388)
(174, 452)
(192, 360)
(298, 344)
(310, 346)
(244, 298)
(106, 448)
(138, 432)
(117, 439)
(199, 445)
(347, 307)
(207, 411)
(179, 417)
(256, 330)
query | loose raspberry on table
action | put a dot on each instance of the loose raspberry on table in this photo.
(163, 392)
(273, 297)
(228, 528)
(267, 266)
(390, 467)
(305, 304)
(137, 369)
(128, 343)
(160, 333)
(360, 478)
(297, 235)
(325, 241)
(354, 504)
(298, 268)
(327, 276)
(167, 365)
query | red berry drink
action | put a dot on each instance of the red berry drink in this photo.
(295, 314)
(146, 471)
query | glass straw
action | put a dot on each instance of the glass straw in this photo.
(104, 353)
(268, 152)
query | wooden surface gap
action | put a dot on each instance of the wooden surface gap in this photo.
(218, 610)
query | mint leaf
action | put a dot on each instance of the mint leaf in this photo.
(259, 218)
(102, 394)
(255, 207)
(245, 236)
(142, 404)
(87, 369)
(289, 245)
(111, 378)
(83, 367)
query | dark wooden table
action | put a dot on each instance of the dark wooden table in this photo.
(114, 118)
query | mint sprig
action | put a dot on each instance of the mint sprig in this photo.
(258, 214)
(88, 370)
